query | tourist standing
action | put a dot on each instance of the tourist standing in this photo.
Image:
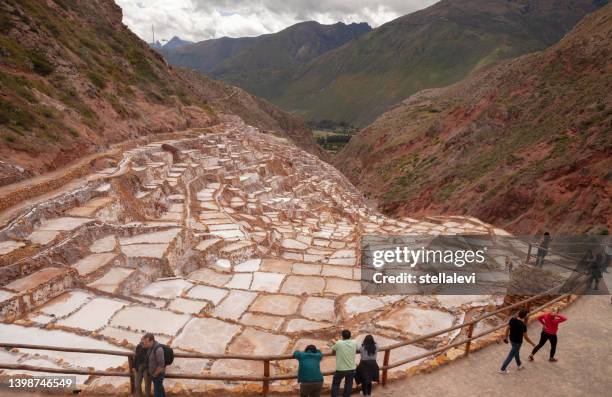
(516, 331)
(345, 364)
(310, 377)
(550, 325)
(367, 370)
(543, 249)
(594, 272)
(140, 370)
(156, 364)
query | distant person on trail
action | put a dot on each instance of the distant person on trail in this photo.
(140, 369)
(509, 264)
(594, 269)
(310, 377)
(367, 370)
(156, 364)
(550, 325)
(345, 364)
(516, 331)
(543, 249)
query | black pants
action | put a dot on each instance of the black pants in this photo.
(366, 388)
(348, 377)
(543, 338)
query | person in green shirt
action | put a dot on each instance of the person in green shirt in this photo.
(345, 364)
(310, 377)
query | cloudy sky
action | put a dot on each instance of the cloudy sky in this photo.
(206, 19)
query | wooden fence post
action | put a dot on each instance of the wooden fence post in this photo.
(130, 365)
(385, 370)
(266, 383)
(470, 332)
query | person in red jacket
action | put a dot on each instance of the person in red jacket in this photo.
(550, 325)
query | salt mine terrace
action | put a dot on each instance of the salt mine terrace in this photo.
(231, 242)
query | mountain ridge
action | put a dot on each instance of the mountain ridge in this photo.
(525, 145)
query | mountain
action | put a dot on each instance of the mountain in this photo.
(175, 42)
(525, 145)
(72, 89)
(257, 64)
(434, 47)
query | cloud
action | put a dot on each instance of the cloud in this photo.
(206, 19)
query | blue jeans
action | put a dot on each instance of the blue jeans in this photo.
(158, 386)
(514, 353)
(348, 383)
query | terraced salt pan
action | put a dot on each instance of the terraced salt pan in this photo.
(269, 282)
(44, 363)
(93, 315)
(234, 305)
(416, 321)
(262, 320)
(298, 285)
(42, 237)
(362, 304)
(279, 305)
(146, 319)
(8, 246)
(300, 324)
(12, 333)
(256, 342)
(209, 276)
(188, 306)
(66, 303)
(111, 281)
(165, 236)
(240, 281)
(62, 224)
(93, 262)
(252, 265)
(166, 288)
(34, 279)
(206, 335)
(144, 250)
(104, 244)
(318, 308)
(208, 293)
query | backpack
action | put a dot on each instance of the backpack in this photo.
(168, 354)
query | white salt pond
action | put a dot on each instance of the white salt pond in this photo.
(12, 333)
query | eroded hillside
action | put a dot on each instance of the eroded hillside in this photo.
(526, 145)
(74, 79)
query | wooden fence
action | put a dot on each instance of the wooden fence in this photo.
(266, 360)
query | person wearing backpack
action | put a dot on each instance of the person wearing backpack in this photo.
(156, 360)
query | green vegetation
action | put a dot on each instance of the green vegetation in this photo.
(376, 70)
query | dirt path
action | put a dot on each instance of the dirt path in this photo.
(17, 196)
(584, 367)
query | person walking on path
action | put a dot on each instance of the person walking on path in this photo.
(516, 331)
(550, 325)
(345, 364)
(310, 377)
(156, 364)
(543, 250)
(140, 370)
(367, 370)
